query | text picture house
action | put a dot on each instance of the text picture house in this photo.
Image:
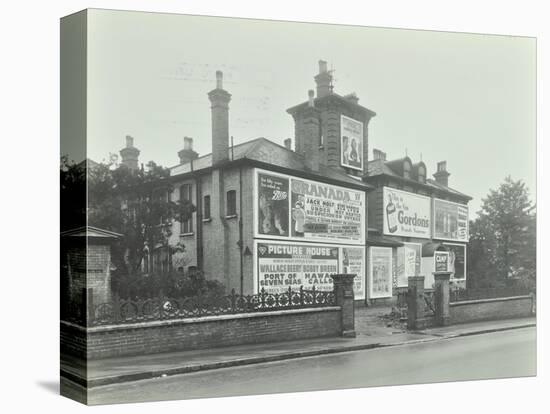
(273, 217)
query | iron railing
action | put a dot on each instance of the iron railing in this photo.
(460, 295)
(120, 311)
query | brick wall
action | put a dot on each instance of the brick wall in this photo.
(198, 333)
(487, 309)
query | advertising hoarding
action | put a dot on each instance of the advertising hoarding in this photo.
(408, 262)
(351, 143)
(406, 214)
(290, 208)
(280, 265)
(380, 272)
(457, 261)
(450, 221)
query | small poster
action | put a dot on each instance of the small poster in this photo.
(272, 205)
(441, 261)
(408, 262)
(351, 136)
(450, 221)
(457, 261)
(353, 261)
(380, 272)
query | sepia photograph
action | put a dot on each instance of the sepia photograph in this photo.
(254, 207)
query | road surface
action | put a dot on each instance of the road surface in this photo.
(495, 355)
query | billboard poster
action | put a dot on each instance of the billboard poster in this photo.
(441, 262)
(450, 221)
(406, 214)
(457, 261)
(409, 258)
(280, 265)
(273, 198)
(290, 208)
(380, 272)
(353, 261)
(325, 212)
(351, 141)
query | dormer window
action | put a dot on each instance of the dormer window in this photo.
(422, 174)
(407, 170)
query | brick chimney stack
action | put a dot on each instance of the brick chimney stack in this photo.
(323, 80)
(130, 154)
(219, 99)
(187, 154)
(442, 175)
(312, 134)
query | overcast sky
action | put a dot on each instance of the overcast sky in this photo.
(468, 99)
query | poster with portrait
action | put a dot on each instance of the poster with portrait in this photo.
(353, 261)
(272, 204)
(351, 143)
(408, 262)
(380, 272)
(457, 261)
(281, 265)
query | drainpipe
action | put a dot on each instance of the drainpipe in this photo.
(241, 226)
(198, 186)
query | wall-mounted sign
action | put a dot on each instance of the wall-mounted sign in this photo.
(450, 221)
(441, 261)
(408, 262)
(457, 261)
(287, 207)
(351, 143)
(406, 214)
(380, 272)
(280, 265)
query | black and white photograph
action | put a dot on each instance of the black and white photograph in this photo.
(277, 211)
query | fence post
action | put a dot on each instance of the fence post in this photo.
(344, 297)
(415, 303)
(442, 315)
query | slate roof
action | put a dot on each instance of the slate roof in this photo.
(269, 152)
(381, 167)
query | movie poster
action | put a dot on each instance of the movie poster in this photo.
(408, 262)
(322, 212)
(380, 272)
(351, 140)
(272, 205)
(280, 265)
(353, 261)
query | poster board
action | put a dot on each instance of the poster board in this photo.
(450, 221)
(279, 265)
(380, 272)
(292, 208)
(406, 214)
(351, 143)
(409, 258)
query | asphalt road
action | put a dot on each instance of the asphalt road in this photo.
(495, 355)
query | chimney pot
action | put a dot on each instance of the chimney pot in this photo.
(288, 144)
(129, 154)
(188, 143)
(219, 79)
(129, 141)
(323, 80)
(310, 95)
(442, 175)
(323, 66)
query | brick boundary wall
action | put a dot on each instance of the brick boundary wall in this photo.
(490, 309)
(197, 333)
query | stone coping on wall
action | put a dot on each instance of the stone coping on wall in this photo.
(202, 319)
(475, 301)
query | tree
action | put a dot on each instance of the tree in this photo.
(503, 237)
(136, 204)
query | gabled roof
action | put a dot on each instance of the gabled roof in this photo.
(269, 152)
(380, 167)
(90, 231)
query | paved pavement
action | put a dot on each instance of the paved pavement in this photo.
(373, 331)
(502, 354)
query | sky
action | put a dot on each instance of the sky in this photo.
(469, 99)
